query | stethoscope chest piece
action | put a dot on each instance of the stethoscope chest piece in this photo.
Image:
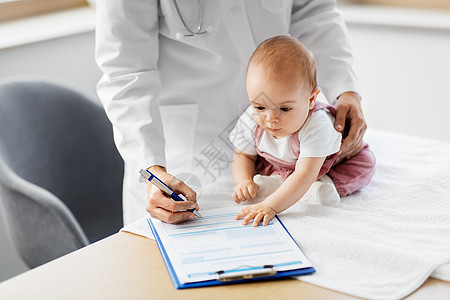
(180, 35)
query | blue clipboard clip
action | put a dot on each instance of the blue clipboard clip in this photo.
(242, 273)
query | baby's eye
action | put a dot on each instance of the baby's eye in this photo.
(285, 108)
(260, 108)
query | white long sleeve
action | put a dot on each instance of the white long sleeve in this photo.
(127, 50)
(318, 24)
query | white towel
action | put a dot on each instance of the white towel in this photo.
(382, 242)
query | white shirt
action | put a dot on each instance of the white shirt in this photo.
(173, 102)
(317, 138)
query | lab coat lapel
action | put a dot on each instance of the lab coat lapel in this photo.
(237, 24)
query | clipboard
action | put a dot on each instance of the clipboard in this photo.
(243, 273)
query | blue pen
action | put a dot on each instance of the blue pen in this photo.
(165, 188)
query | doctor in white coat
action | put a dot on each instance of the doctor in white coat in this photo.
(173, 85)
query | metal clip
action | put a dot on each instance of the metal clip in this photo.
(236, 274)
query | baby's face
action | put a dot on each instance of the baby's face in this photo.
(280, 108)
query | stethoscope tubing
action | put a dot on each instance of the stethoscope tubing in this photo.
(199, 30)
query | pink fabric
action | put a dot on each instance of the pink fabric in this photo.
(353, 174)
(348, 175)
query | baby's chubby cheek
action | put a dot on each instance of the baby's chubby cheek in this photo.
(260, 121)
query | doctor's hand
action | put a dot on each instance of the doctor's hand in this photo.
(164, 208)
(351, 123)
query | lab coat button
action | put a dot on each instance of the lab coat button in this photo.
(236, 8)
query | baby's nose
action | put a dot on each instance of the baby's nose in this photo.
(272, 115)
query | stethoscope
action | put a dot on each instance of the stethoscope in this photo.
(198, 31)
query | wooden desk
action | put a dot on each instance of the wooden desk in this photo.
(126, 266)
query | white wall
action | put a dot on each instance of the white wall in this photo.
(405, 77)
(69, 59)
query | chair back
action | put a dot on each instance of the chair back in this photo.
(39, 225)
(57, 139)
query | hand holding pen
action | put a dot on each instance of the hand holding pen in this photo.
(160, 205)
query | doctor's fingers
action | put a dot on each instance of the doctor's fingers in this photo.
(180, 187)
(348, 109)
(170, 217)
(353, 143)
(350, 148)
(341, 116)
(157, 198)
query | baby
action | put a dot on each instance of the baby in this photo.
(286, 132)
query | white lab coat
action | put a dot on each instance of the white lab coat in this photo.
(173, 102)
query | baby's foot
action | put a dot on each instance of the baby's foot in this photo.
(322, 192)
(267, 184)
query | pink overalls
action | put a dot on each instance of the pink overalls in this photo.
(348, 176)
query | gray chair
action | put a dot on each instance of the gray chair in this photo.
(60, 173)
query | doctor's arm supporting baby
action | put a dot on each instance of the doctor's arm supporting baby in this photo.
(320, 25)
(289, 134)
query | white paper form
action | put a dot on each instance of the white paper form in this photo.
(198, 249)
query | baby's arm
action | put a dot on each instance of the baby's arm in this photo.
(243, 169)
(292, 190)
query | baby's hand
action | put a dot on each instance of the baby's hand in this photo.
(259, 212)
(245, 190)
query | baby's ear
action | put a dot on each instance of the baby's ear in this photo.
(313, 97)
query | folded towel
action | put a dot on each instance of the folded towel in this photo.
(382, 242)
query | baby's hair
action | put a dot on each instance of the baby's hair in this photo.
(285, 58)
